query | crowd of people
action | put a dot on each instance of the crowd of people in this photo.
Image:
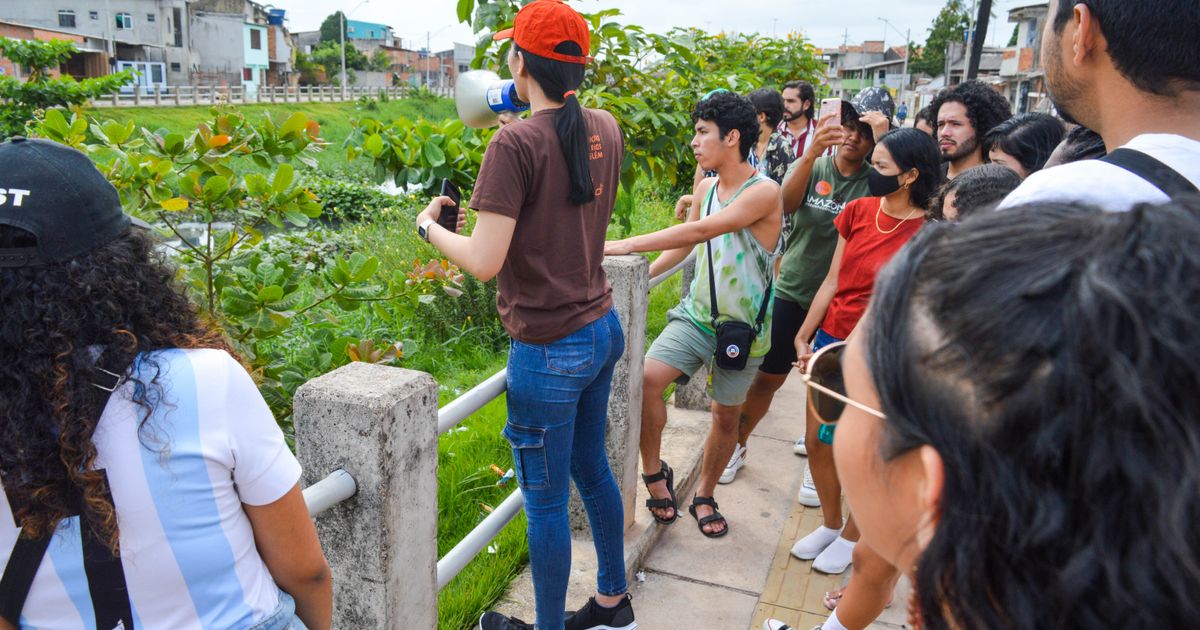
(996, 319)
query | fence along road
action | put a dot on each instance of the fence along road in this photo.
(177, 95)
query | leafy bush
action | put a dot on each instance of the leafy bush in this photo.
(421, 153)
(41, 91)
(343, 200)
(257, 288)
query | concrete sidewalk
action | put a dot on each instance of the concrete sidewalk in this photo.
(682, 579)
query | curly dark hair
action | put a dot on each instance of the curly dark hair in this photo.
(976, 190)
(1050, 354)
(119, 297)
(986, 108)
(730, 112)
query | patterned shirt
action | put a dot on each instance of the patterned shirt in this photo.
(776, 159)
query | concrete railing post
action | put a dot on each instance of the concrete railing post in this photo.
(380, 425)
(630, 279)
(694, 395)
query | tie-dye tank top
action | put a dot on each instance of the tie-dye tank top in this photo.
(744, 269)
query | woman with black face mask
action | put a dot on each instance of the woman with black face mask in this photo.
(906, 173)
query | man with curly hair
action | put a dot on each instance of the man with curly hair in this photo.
(736, 229)
(1130, 71)
(965, 114)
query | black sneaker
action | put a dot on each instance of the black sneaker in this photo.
(593, 616)
(492, 620)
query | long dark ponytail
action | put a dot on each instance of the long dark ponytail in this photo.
(559, 80)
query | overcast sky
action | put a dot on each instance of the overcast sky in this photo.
(824, 22)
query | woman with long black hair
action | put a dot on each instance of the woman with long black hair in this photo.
(1017, 418)
(545, 195)
(145, 482)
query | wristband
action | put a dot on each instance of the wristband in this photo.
(423, 229)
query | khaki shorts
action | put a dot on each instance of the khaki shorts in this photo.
(686, 347)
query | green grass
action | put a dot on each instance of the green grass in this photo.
(334, 118)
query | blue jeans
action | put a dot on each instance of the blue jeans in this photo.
(557, 415)
(284, 617)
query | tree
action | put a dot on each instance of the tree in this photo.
(949, 26)
(329, 28)
(328, 55)
(380, 61)
(41, 90)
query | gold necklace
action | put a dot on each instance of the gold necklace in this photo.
(880, 211)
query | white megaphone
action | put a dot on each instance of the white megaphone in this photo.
(481, 95)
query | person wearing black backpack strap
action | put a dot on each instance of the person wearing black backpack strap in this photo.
(144, 482)
(1130, 71)
(724, 322)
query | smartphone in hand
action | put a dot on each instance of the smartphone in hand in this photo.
(449, 215)
(831, 107)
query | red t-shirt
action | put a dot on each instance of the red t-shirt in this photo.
(868, 248)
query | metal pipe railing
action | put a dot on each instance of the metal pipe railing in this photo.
(473, 400)
(330, 491)
(462, 408)
(465, 551)
(662, 277)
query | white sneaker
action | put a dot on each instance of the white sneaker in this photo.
(799, 447)
(808, 490)
(775, 624)
(836, 558)
(815, 542)
(736, 461)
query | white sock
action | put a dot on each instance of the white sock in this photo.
(832, 623)
(814, 543)
(835, 558)
(825, 535)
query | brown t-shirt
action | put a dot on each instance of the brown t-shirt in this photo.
(552, 282)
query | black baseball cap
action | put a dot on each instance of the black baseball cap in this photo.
(55, 193)
(874, 99)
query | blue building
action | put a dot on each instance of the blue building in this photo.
(360, 31)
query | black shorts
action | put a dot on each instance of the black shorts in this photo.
(786, 319)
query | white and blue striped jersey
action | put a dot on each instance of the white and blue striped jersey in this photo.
(178, 485)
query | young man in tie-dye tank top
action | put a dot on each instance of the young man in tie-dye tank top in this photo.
(738, 214)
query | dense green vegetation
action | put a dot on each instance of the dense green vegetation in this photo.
(307, 265)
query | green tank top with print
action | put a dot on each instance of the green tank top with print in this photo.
(743, 272)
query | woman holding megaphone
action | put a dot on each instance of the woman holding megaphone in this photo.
(545, 195)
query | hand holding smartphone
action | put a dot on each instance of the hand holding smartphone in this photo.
(831, 107)
(449, 215)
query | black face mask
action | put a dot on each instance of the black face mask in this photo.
(882, 185)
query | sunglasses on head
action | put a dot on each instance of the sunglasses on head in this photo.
(827, 386)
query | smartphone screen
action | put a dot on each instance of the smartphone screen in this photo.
(449, 216)
(831, 107)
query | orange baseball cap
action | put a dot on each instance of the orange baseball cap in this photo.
(542, 25)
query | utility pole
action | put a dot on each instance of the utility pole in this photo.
(970, 45)
(428, 56)
(112, 42)
(976, 51)
(907, 53)
(342, 36)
